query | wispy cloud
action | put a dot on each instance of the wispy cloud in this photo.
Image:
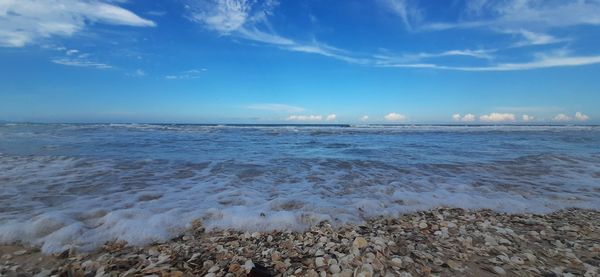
(81, 63)
(137, 73)
(541, 62)
(188, 74)
(74, 57)
(249, 20)
(532, 38)
(274, 107)
(25, 22)
(407, 11)
(533, 13)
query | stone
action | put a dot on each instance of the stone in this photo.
(20, 252)
(454, 265)
(396, 262)
(334, 268)
(319, 262)
(498, 270)
(360, 242)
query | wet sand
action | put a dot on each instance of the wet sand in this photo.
(438, 242)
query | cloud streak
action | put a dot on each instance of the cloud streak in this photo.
(24, 22)
(249, 20)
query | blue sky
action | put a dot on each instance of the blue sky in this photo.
(325, 61)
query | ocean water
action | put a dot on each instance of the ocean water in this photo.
(70, 185)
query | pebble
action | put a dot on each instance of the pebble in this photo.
(334, 268)
(499, 270)
(319, 262)
(438, 242)
(360, 242)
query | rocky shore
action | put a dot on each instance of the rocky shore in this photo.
(438, 242)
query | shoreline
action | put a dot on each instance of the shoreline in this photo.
(438, 242)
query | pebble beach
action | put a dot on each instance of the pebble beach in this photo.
(437, 242)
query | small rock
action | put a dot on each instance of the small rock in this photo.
(498, 270)
(334, 268)
(396, 262)
(319, 262)
(423, 225)
(360, 242)
(20, 253)
(214, 268)
(454, 265)
(248, 265)
(234, 268)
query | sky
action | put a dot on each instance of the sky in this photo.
(312, 61)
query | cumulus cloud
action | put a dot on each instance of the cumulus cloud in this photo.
(274, 107)
(527, 118)
(562, 117)
(581, 117)
(331, 117)
(304, 118)
(497, 117)
(25, 22)
(364, 118)
(394, 117)
(467, 118)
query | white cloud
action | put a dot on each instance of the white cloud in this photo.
(467, 118)
(394, 117)
(527, 118)
(248, 20)
(533, 13)
(497, 117)
(541, 62)
(273, 107)
(364, 118)
(581, 117)
(532, 38)
(78, 62)
(72, 52)
(331, 117)
(404, 9)
(188, 74)
(562, 117)
(137, 73)
(25, 22)
(304, 118)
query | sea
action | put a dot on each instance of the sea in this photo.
(66, 186)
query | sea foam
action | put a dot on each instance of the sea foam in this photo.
(64, 186)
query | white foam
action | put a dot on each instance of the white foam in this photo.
(238, 179)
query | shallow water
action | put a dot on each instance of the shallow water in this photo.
(64, 185)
